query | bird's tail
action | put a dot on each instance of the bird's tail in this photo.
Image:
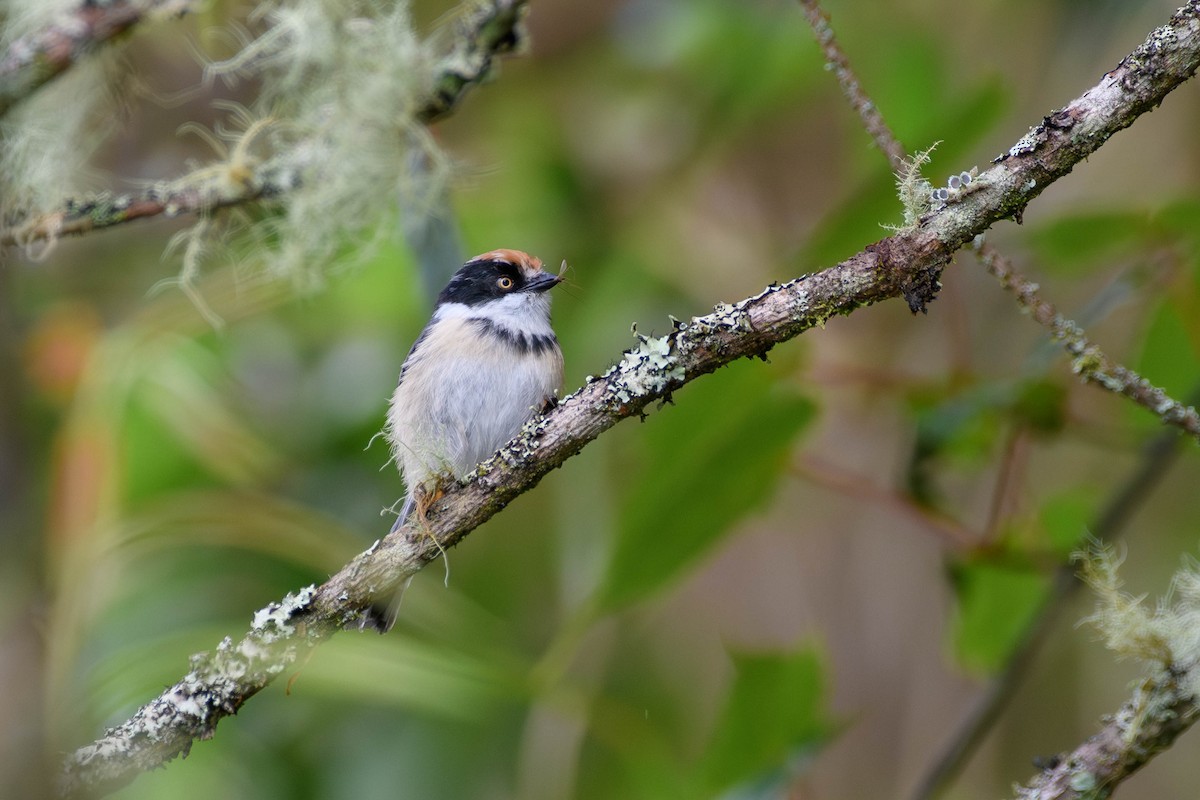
(382, 616)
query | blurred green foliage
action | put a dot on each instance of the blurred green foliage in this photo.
(995, 604)
(750, 742)
(702, 467)
(674, 613)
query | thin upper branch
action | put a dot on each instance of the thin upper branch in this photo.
(868, 112)
(37, 58)
(493, 30)
(905, 265)
(1088, 360)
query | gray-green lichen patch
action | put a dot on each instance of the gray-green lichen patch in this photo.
(523, 447)
(649, 370)
(1031, 141)
(273, 622)
(1083, 782)
(659, 364)
(520, 450)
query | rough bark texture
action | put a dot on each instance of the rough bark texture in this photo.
(1144, 727)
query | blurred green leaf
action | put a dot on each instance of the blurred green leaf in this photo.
(246, 521)
(922, 106)
(1076, 243)
(1065, 519)
(179, 425)
(706, 464)
(950, 424)
(153, 461)
(775, 711)
(995, 603)
(406, 673)
(737, 63)
(961, 425)
(1041, 405)
(1179, 217)
(1168, 358)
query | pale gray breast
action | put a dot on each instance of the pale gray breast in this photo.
(485, 383)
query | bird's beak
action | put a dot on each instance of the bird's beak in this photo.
(542, 281)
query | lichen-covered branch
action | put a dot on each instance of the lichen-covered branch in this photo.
(36, 58)
(1164, 704)
(495, 30)
(907, 265)
(1159, 711)
(1087, 360)
(491, 30)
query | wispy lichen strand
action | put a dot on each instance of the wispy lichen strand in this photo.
(347, 90)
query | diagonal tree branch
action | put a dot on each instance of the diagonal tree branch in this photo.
(907, 265)
(1160, 710)
(1089, 361)
(495, 29)
(35, 59)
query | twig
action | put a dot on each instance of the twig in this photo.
(37, 58)
(1012, 463)
(494, 30)
(904, 265)
(1089, 361)
(872, 119)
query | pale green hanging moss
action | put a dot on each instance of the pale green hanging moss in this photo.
(1165, 635)
(913, 189)
(336, 141)
(334, 131)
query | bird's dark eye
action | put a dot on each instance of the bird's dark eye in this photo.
(504, 282)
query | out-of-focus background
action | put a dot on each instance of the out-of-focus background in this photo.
(794, 582)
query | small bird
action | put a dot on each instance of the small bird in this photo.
(486, 363)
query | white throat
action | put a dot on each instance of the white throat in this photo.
(522, 312)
